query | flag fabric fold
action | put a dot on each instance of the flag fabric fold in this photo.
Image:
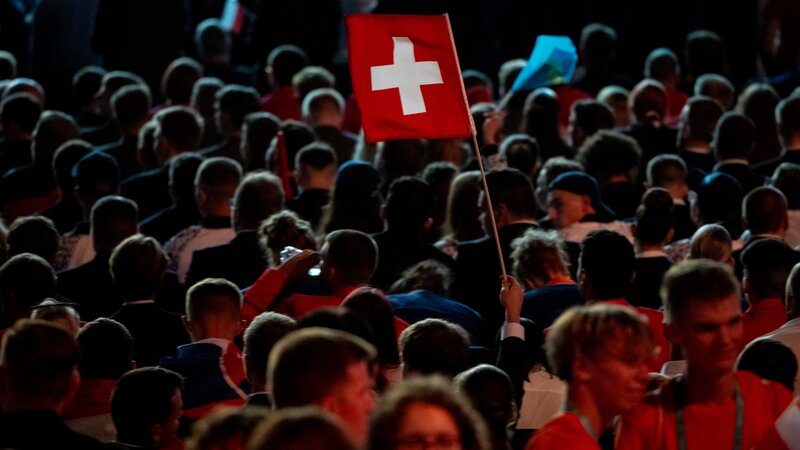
(552, 62)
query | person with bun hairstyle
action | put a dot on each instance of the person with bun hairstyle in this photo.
(652, 230)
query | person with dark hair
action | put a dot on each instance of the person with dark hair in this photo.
(704, 52)
(542, 122)
(282, 64)
(39, 363)
(146, 406)
(662, 65)
(603, 352)
(97, 176)
(260, 336)
(598, 48)
(542, 264)
(33, 234)
(477, 268)
(315, 175)
(604, 283)
(614, 160)
(716, 87)
(696, 127)
(231, 105)
(427, 412)
(356, 200)
(258, 131)
(25, 281)
(227, 427)
(490, 392)
(178, 81)
(771, 360)
(323, 109)
(285, 229)
(131, 110)
(408, 212)
(67, 212)
(461, 222)
(296, 135)
(787, 180)
(669, 172)
(215, 185)
(326, 368)
(652, 230)
(8, 65)
(83, 106)
(311, 78)
(241, 261)
(27, 189)
(19, 114)
(138, 267)
(213, 44)
(788, 333)
(90, 285)
(106, 131)
(758, 102)
(702, 315)
(439, 175)
(767, 264)
(521, 152)
(551, 169)
(204, 92)
(787, 116)
(398, 158)
(183, 213)
(434, 346)
(178, 130)
(288, 429)
(648, 101)
(587, 118)
(616, 98)
(106, 354)
(211, 363)
(733, 143)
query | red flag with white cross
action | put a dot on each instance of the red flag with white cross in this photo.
(406, 77)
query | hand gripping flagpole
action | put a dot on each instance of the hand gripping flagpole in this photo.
(488, 199)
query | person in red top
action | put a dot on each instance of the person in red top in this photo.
(767, 263)
(712, 406)
(601, 351)
(605, 270)
(282, 64)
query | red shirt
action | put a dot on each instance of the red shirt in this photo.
(93, 398)
(762, 317)
(564, 431)
(656, 321)
(283, 103)
(708, 425)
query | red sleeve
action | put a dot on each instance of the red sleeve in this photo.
(262, 293)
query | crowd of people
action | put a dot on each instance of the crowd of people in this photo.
(199, 254)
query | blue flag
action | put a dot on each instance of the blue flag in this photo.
(552, 62)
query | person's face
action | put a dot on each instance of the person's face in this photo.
(710, 334)
(618, 375)
(565, 208)
(426, 426)
(354, 400)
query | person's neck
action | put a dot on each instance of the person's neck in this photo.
(642, 247)
(709, 387)
(697, 146)
(582, 400)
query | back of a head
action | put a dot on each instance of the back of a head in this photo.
(261, 336)
(283, 229)
(113, 219)
(702, 116)
(237, 102)
(353, 254)
(307, 365)
(85, 84)
(138, 265)
(316, 156)
(542, 116)
(592, 116)
(97, 175)
(25, 279)
(771, 360)
(320, 104)
(711, 241)
(462, 203)
(182, 172)
(214, 299)
(310, 78)
(734, 137)
(106, 350)
(538, 255)
(511, 188)
(226, 427)
(64, 161)
(608, 154)
(609, 281)
(696, 281)
(53, 129)
(21, 109)
(28, 85)
(597, 45)
(719, 200)
(787, 114)
(428, 275)
(654, 217)
(182, 126)
(372, 305)
(400, 157)
(39, 361)
(616, 98)
(204, 92)
(521, 152)
(786, 179)
(284, 62)
(661, 65)
(258, 130)
(33, 234)
(288, 429)
(717, 87)
(296, 136)
(142, 399)
(259, 195)
(179, 79)
(434, 346)
(764, 210)
(758, 102)
(8, 65)
(342, 319)
(508, 72)
(409, 205)
(489, 390)
(131, 106)
(587, 331)
(704, 53)
(648, 101)
(211, 40)
(767, 263)
(666, 170)
(218, 178)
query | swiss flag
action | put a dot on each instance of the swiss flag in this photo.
(406, 77)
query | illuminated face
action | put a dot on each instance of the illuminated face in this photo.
(565, 208)
(619, 374)
(355, 399)
(426, 426)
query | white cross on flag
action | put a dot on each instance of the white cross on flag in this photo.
(406, 77)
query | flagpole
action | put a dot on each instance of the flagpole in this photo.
(488, 199)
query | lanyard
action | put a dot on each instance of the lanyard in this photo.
(679, 420)
(584, 421)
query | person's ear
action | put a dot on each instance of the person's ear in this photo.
(673, 333)
(582, 368)
(188, 325)
(330, 403)
(670, 235)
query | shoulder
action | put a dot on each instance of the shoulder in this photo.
(563, 431)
